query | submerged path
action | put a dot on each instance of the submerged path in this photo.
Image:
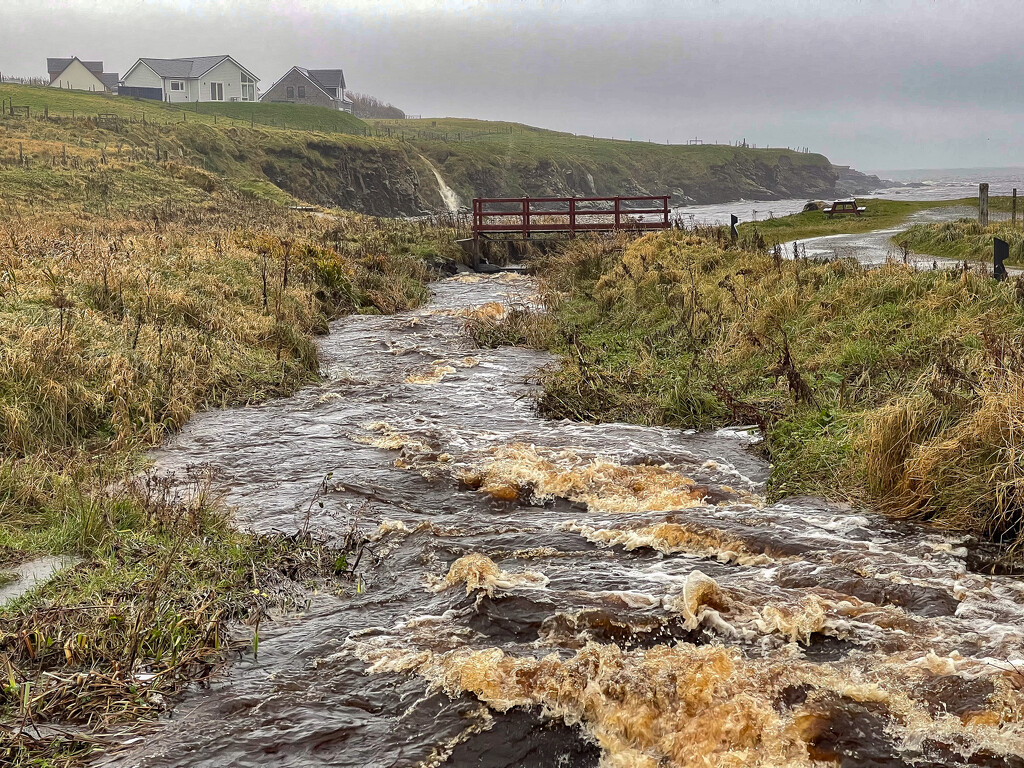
(877, 247)
(559, 594)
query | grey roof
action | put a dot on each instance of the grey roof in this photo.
(185, 68)
(109, 79)
(327, 78)
(56, 66)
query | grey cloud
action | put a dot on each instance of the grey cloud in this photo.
(877, 84)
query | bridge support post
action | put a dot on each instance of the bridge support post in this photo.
(471, 247)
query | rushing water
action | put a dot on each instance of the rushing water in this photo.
(560, 594)
(448, 195)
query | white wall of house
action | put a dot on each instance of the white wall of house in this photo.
(229, 75)
(186, 93)
(77, 78)
(143, 77)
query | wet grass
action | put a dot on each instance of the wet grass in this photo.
(114, 331)
(889, 386)
(964, 239)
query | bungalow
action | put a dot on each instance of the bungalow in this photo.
(204, 78)
(317, 87)
(77, 75)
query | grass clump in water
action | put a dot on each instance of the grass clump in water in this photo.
(891, 386)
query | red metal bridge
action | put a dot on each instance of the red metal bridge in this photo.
(524, 217)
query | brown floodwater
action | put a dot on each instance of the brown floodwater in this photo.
(543, 593)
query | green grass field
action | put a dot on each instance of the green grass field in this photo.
(299, 117)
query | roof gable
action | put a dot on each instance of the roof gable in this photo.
(106, 80)
(56, 66)
(328, 78)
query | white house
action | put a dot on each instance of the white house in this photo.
(77, 75)
(204, 78)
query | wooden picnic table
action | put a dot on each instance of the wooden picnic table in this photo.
(844, 206)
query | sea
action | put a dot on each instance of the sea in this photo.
(929, 184)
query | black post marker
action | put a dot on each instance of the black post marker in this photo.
(1000, 253)
(733, 219)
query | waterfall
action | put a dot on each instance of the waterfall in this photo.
(448, 195)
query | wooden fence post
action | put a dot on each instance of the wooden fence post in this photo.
(1014, 222)
(983, 204)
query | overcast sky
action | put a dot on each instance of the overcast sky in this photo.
(880, 85)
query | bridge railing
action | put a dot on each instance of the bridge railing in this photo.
(525, 216)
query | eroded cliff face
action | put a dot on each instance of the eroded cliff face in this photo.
(728, 174)
(393, 178)
(374, 178)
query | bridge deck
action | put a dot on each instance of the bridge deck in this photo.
(526, 216)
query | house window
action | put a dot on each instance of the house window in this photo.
(291, 92)
(248, 88)
(302, 91)
(216, 91)
(177, 85)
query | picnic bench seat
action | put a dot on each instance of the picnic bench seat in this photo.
(844, 206)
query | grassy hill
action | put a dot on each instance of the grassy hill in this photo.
(59, 103)
(157, 152)
(154, 153)
(479, 157)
